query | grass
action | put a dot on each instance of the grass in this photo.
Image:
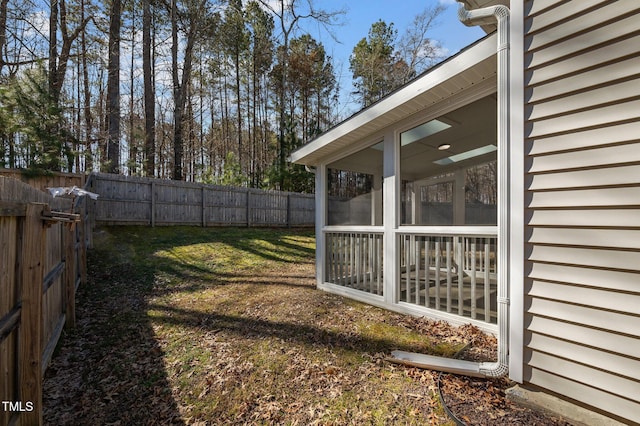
(200, 326)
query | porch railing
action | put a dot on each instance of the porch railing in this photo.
(450, 269)
(354, 259)
(450, 273)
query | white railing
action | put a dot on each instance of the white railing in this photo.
(353, 258)
(450, 270)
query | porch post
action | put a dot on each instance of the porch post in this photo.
(376, 200)
(391, 170)
(459, 198)
(320, 218)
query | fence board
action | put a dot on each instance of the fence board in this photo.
(41, 262)
(125, 200)
(48, 181)
(31, 315)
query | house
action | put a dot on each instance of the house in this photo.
(502, 188)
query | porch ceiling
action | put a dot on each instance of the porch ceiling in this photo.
(433, 90)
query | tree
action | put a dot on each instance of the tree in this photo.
(29, 111)
(235, 42)
(149, 91)
(261, 48)
(372, 63)
(379, 67)
(3, 31)
(113, 89)
(58, 62)
(188, 21)
(289, 13)
(417, 50)
(312, 80)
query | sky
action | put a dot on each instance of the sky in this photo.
(451, 34)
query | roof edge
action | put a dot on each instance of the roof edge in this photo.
(443, 71)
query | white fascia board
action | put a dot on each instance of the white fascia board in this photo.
(446, 70)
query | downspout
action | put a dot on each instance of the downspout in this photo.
(488, 15)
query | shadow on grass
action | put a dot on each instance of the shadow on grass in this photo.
(286, 331)
(111, 368)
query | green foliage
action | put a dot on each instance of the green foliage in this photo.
(376, 69)
(231, 173)
(287, 176)
(30, 114)
(294, 178)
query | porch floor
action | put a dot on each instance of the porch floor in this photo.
(444, 294)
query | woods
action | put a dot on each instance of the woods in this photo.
(214, 91)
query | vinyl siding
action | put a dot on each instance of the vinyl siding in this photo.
(582, 201)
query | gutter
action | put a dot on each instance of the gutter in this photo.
(488, 15)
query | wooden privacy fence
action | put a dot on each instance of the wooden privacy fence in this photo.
(43, 182)
(42, 262)
(144, 201)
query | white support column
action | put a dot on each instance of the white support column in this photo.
(376, 200)
(459, 197)
(391, 189)
(321, 220)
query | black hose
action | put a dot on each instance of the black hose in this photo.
(453, 417)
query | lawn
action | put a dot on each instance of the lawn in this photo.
(187, 325)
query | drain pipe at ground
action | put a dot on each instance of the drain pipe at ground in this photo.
(488, 15)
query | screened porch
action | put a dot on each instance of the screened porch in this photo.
(443, 240)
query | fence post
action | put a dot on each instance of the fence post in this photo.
(288, 210)
(153, 204)
(204, 206)
(89, 214)
(82, 231)
(30, 357)
(70, 274)
(248, 208)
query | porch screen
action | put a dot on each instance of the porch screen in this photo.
(448, 168)
(354, 188)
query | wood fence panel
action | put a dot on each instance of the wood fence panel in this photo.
(34, 239)
(41, 262)
(143, 201)
(56, 179)
(8, 301)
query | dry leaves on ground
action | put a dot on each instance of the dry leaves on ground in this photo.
(207, 327)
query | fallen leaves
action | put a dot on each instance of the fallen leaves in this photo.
(183, 338)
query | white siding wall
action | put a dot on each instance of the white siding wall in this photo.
(582, 179)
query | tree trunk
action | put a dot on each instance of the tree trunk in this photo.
(3, 31)
(87, 100)
(177, 95)
(181, 85)
(239, 107)
(133, 145)
(113, 90)
(149, 95)
(53, 46)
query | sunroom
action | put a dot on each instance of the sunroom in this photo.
(408, 198)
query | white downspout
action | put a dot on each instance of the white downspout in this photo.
(488, 15)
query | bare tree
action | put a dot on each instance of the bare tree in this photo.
(289, 13)
(149, 91)
(415, 47)
(113, 89)
(3, 31)
(193, 17)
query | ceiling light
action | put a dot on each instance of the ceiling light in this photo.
(444, 146)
